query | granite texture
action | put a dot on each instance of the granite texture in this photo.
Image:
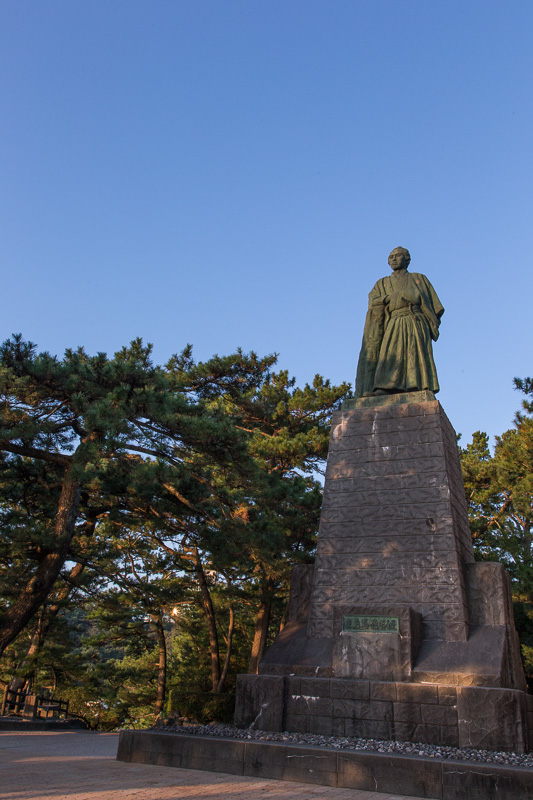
(376, 656)
(389, 773)
(389, 445)
(260, 703)
(491, 718)
(394, 541)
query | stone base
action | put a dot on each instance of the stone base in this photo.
(396, 632)
(377, 772)
(445, 715)
(394, 398)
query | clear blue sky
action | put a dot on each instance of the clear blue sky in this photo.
(235, 172)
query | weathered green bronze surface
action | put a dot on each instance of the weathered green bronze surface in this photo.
(377, 401)
(370, 624)
(403, 318)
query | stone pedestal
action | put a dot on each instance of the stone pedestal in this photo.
(395, 632)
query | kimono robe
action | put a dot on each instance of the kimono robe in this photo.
(403, 317)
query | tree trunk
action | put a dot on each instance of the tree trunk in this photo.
(231, 628)
(46, 620)
(40, 585)
(207, 605)
(261, 626)
(157, 622)
(25, 669)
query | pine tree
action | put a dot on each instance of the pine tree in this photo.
(100, 426)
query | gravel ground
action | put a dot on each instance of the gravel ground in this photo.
(347, 743)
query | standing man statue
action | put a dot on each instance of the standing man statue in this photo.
(403, 317)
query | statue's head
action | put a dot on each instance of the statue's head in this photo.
(400, 258)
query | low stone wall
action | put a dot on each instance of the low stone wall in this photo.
(23, 725)
(455, 716)
(408, 775)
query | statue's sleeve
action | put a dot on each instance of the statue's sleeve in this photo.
(432, 307)
(372, 337)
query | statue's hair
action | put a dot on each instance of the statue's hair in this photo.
(404, 250)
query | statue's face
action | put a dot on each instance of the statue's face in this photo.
(397, 259)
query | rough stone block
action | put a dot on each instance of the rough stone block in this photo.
(354, 773)
(385, 575)
(293, 684)
(478, 661)
(368, 728)
(259, 702)
(417, 693)
(460, 781)
(309, 704)
(346, 478)
(263, 760)
(300, 593)
(443, 630)
(373, 655)
(449, 736)
(489, 594)
(325, 726)
(343, 688)
(383, 691)
(447, 695)
(388, 774)
(344, 538)
(491, 718)
(125, 745)
(167, 749)
(310, 671)
(321, 627)
(296, 723)
(394, 534)
(314, 686)
(404, 731)
(438, 715)
(397, 776)
(421, 403)
(384, 436)
(441, 597)
(420, 732)
(407, 713)
(428, 733)
(294, 647)
(413, 563)
(385, 515)
(199, 751)
(294, 772)
(341, 466)
(363, 709)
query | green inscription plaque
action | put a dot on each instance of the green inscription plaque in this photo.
(370, 624)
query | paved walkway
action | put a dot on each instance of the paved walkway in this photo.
(82, 766)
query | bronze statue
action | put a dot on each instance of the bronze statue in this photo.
(403, 317)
